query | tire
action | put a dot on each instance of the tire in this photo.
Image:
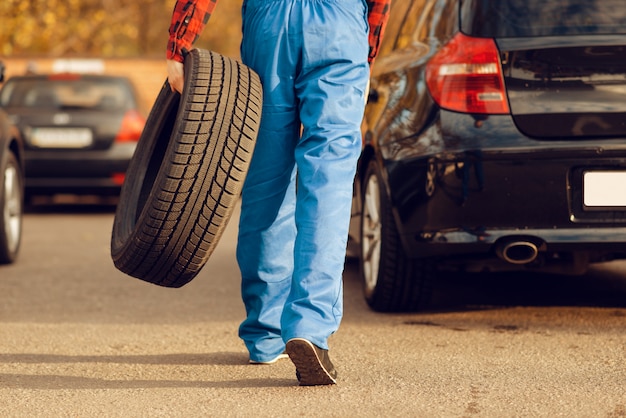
(11, 207)
(392, 282)
(187, 172)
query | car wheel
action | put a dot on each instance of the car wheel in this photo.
(187, 172)
(392, 281)
(11, 204)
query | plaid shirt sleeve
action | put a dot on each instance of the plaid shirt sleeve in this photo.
(188, 21)
(378, 14)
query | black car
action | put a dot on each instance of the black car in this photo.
(79, 130)
(11, 187)
(494, 140)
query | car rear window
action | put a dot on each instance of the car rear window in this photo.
(524, 18)
(65, 93)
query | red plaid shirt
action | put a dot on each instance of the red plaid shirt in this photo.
(190, 17)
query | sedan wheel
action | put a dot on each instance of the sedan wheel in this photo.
(392, 282)
(11, 205)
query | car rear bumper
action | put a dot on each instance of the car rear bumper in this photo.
(85, 172)
(563, 239)
(459, 200)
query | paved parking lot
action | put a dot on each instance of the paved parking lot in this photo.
(79, 338)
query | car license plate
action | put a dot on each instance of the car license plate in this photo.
(604, 189)
(61, 137)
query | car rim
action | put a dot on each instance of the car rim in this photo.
(371, 233)
(12, 207)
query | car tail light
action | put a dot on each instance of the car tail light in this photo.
(132, 126)
(466, 76)
(118, 178)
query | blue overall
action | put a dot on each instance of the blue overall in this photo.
(311, 56)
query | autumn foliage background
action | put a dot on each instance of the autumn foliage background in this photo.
(129, 35)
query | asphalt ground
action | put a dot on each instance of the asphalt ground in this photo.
(80, 339)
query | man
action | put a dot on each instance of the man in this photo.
(313, 58)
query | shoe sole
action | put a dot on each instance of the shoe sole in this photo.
(309, 366)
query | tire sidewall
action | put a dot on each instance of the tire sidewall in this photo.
(131, 210)
(8, 252)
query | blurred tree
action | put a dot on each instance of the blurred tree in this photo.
(106, 28)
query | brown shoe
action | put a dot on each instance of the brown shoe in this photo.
(313, 365)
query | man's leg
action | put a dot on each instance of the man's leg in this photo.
(331, 87)
(267, 228)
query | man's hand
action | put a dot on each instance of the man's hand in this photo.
(175, 75)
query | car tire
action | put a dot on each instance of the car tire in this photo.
(187, 172)
(11, 205)
(392, 282)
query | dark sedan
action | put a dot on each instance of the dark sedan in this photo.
(494, 140)
(80, 130)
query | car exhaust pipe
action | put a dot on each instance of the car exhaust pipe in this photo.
(517, 251)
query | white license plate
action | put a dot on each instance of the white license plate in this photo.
(61, 137)
(604, 188)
